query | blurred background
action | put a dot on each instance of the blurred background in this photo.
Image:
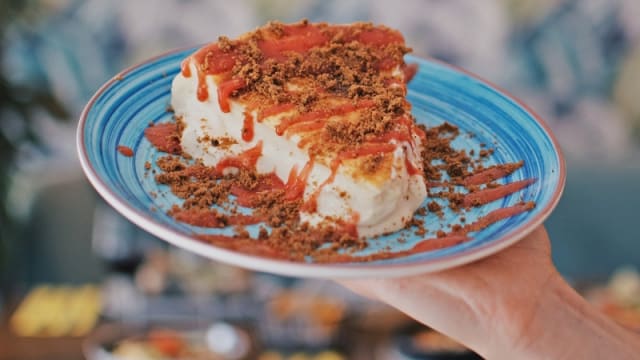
(78, 280)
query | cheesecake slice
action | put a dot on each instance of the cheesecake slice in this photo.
(322, 107)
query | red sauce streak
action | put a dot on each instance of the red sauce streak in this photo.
(244, 245)
(301, 38)
(490, 174)
(199, 171)
(488, 195)
(210, 60)
(245, 160)
(411, 170)
(438, 243)
(407, 122)
(311, 205)
(296, 183)
(247, 127)
(363, 150)
(125, 150)
(203, 218)
(393, 81)
(497, 215)
(164, 137)
(202, 92)
(287, 122)
(321, 114)
(225, 90)
(403, 136)
(399, 136)
(274, 110)
(270, 182)
(184, 68)
(297, 38)
(421, 134)
(216, 239)
(409, 70)
(241, 219)
(410, 129)
(377, 36)
(246, 197)
(386, 64)
(350, 227)
(307, 126)
(302, 144)
(243, 196)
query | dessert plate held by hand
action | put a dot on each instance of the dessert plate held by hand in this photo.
(120, 163)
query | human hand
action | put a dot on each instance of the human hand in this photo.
(511, 303)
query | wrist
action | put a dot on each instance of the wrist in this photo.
(562, 325)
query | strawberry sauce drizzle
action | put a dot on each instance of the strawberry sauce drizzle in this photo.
(296, 184)
(321, 115)
(274, 110)
(164, 137)
(247, 127)
(488, 195)
(213, 219)
(246, 160)
(490, 174)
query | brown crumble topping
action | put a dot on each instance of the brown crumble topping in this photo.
(434, 207)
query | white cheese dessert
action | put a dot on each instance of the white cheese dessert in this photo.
(323, 107)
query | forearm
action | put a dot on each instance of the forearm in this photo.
(565, 326)
(512, 305)
(540, 320)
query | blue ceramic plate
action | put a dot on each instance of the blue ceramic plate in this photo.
(121, 110)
